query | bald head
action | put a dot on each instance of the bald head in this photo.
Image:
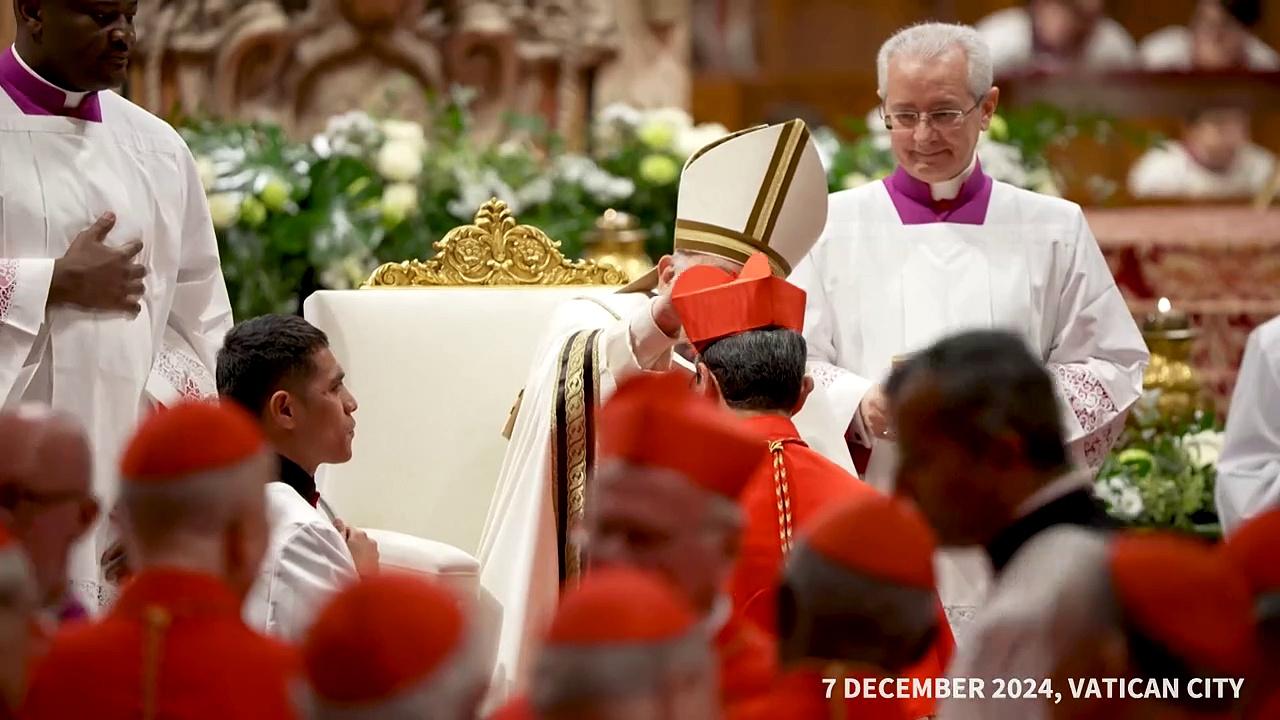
(45, 490)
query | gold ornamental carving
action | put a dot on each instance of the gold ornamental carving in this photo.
(495, 251)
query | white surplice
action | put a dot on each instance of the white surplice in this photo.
(1170, 49)
(1009, 34)
(883, 283)
(518, 547)
(1170, 171)
(306, 562)
(59, 175)
(1249, 468)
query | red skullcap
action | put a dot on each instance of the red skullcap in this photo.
(190, 438)
(877, 536)
(1187, 597)
(655, 420)
(381, 636)
(621, 606)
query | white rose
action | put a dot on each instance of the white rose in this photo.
(400, 161)
(694, 139)
(399, 200)
(620, 114)
(224, 209)
(1131, 505)
(1204, 447)
(207, 171)
(405, 131)
(676, 118)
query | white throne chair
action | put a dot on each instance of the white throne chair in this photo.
(436, 353)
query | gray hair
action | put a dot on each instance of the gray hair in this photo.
(927, 41)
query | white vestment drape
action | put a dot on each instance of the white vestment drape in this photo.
(1249, 468)
(60, 174)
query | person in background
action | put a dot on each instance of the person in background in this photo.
(984, 456)
(1057, 35)
(672, 467)
(624, 645)
(1214, 159)
(109, 271)
(280, 368)
(174, 645)
(1252, 548)
(1218, 37)
(1248, 479)
(857, 601)
(1169, 608)
(18, 604)
(46, 498)
(393, 647)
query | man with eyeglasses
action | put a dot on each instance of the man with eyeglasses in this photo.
(45, 497)
(940, 247)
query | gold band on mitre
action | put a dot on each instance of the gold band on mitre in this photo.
(755, 237)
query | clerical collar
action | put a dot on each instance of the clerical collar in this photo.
(1073, 505)
(36, 96)
(292, 474)
(918, 203)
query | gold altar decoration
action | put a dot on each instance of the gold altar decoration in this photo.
(618, 240)
(495, 251)
(1169, 337)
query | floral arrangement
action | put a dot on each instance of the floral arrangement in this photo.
(1162, 474)
(293, 217)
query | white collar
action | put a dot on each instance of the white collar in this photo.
(1068, 482)
(70, 99)
(949, 189)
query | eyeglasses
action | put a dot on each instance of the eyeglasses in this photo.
(937, 119)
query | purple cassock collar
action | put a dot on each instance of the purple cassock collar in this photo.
(34, 96)
(915, 204)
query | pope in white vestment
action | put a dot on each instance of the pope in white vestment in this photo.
(68, 159)
(939, 247)
(759, 190)
(1249, 468)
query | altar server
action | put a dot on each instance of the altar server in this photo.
(1249, 469)
(174, 645)
(106, 247)
(280, 368)
(672, 467)
(393, 647)
(1217, 37)
(939, 247)
(758, 190)
(983, 456)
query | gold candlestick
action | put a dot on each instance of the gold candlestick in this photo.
(618, 239)
(1170, 338)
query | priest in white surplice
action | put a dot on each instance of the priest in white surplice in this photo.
(759, 190)
(1249, 469)
(939, 247)
(106, 247)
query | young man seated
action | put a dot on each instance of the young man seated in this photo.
(280, 368)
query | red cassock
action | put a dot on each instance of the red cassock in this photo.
(804, 484)
(173, 648)
(748, 667)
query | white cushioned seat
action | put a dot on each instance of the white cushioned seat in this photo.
(441, 562)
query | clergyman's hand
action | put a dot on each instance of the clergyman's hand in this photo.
(364, 549)
(95, 276)
(874, 410)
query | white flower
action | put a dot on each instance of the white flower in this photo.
(405, 131)
(476, 188)
(620, 114)
(208, 172)
(853, 180)
(537, 192)
(399, 200)
(660, 128)
(1130, 503)
(694, 139)
(1041, 180)
(352, 133)
(828, 144)
(1204, 447)
(1002, 162)
(603, 187)
(400, 161)
(224, 209)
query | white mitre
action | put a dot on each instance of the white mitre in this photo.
(762, 189)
